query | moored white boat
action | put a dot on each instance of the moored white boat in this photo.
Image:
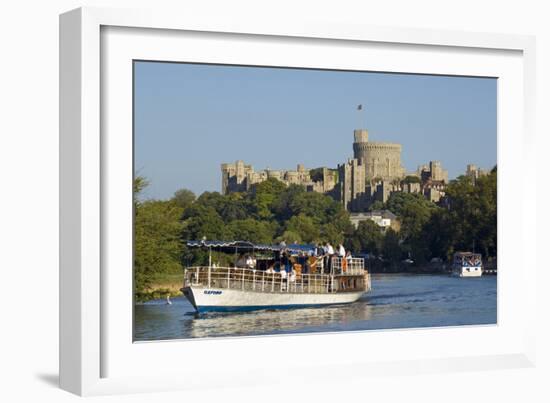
(467, 264)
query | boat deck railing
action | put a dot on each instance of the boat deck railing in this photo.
(351, 266)
(271, 281)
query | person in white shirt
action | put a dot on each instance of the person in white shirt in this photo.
(250, 262)
(346, 262)
(292, 277)
(348, 256)
(341, 253)
(329, 252)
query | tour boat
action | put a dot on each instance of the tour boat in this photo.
(260, 280)
(467, 264)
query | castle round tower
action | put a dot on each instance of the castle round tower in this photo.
(381, 160)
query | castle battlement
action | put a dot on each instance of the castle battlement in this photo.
(378, 146)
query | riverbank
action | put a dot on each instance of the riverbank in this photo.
(162, 286)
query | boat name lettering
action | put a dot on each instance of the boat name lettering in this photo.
(212, 292)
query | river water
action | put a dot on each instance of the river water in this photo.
(396, 301)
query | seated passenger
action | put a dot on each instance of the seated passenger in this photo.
(306, 268)
(250, 262)
(285, 262)
(241, 261)
(292, 277)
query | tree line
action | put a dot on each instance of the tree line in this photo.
(270, 212)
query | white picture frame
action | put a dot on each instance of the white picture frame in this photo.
(96, 354)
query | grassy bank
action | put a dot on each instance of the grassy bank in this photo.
(163, 285)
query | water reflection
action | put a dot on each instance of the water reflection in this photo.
(277, 321)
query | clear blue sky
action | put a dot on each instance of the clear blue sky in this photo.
(189, 118)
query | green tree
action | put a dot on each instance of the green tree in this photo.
(366, 238)
(473, 213)
(262, 196)
(304, 227)
(413, 210)
(184, 198)
(203, 222)
(157, 243)
(139, 184)
(377, 205)
(316, 174)
(411, 179)
(436, 238)
(251, 230)
(213, 200)
(234, 206)
(282, 204)
(391, 248)
(289, 237)
(331, 233)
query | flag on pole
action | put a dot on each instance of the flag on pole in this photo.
(359, 107)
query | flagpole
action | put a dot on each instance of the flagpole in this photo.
(362, 117)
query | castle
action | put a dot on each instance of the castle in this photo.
(374, 172)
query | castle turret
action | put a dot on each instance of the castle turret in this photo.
(381, 160)
(361, 135)
(234, 176)
(360, 141)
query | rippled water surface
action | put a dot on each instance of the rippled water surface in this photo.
(396, 301)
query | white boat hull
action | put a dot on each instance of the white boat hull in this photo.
(473, 271)
(220, 300)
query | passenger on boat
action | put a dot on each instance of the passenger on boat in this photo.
(241, 261)
(329, 253)
(348, 258)
(306, 268)
(250, 262)
(303, 261)
(285, 261)
(319, 250)
(292, 276)
(341, 251)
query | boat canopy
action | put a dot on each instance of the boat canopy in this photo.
(248, 247)
(467, 259)
(466, 254)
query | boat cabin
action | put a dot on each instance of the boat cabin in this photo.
(467, 259)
